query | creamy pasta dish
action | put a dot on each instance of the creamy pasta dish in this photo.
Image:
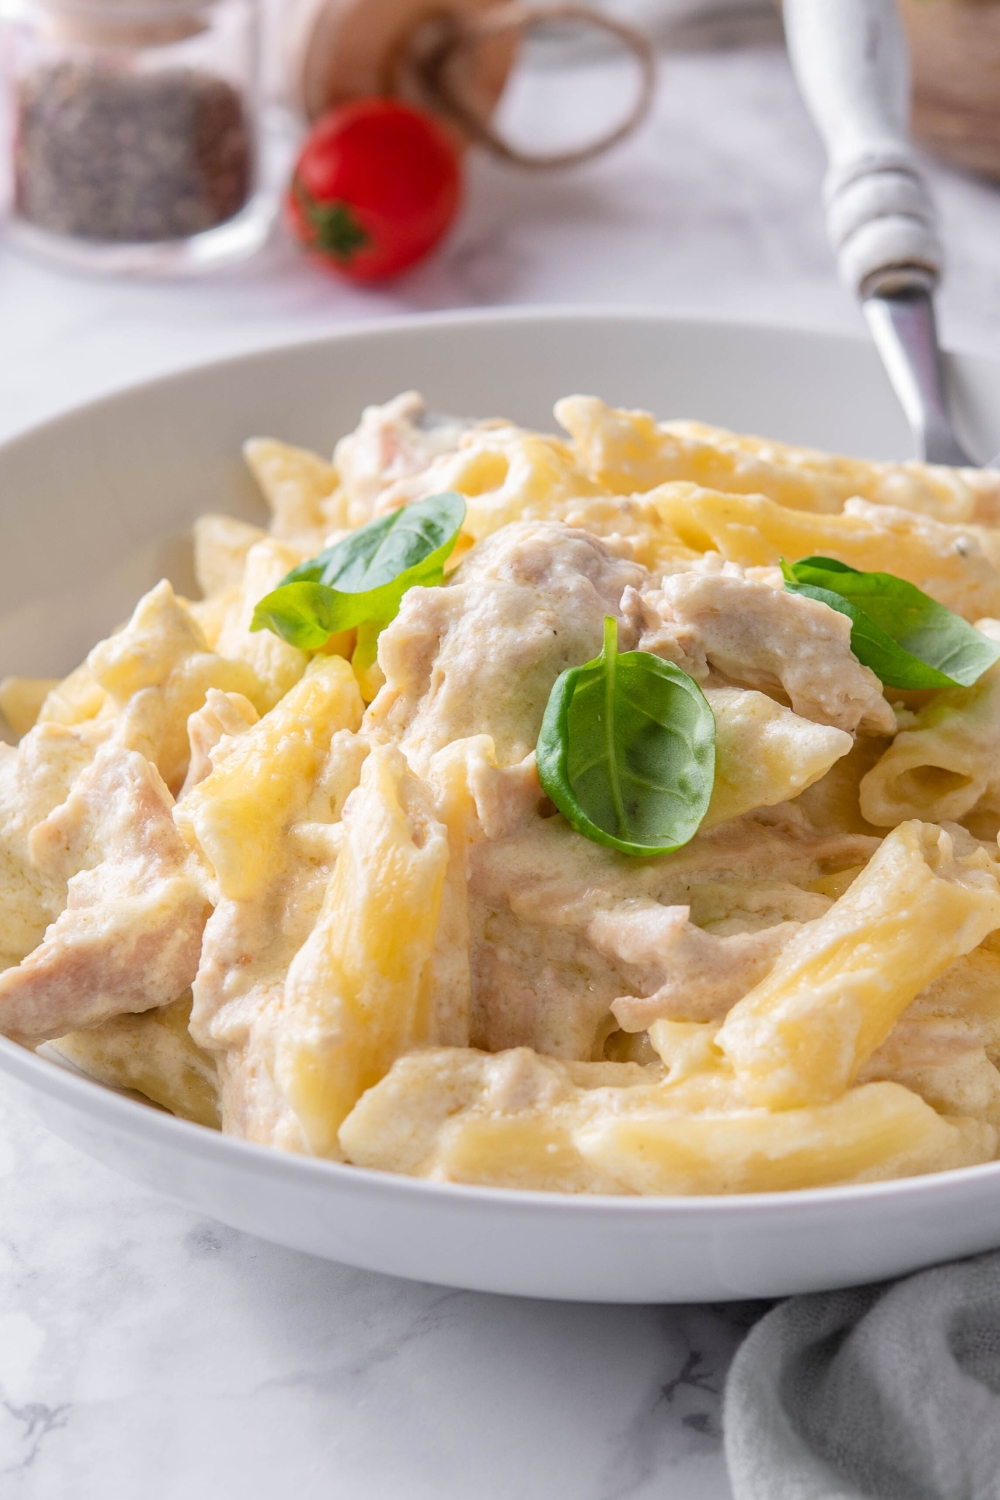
(607, 813)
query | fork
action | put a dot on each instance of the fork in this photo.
(851, 63)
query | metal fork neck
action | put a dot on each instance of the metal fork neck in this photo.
(902, 323)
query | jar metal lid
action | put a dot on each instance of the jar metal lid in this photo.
(125, 23)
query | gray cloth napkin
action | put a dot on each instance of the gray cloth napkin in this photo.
(888, 1392)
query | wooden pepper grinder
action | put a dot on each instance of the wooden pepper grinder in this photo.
(450, 56)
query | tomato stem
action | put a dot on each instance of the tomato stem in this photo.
(336, 229)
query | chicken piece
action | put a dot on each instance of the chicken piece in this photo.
(34, 779)
(554, 941)
(697, 975)
(629, 526)
(221, 544)
(967, 993)
(538, 985)
(223, 716)
(946, 1044)
(629, 451)
(278, 665)
(759, 637)
(391, 443)
(156, 672)
(299, 488)
(942, 1060)
(480, 655)
(130, 934)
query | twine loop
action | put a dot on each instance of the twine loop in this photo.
(430, 59)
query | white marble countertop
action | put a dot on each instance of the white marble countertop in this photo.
(144, 1351)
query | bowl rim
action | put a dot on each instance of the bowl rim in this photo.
(394, 324)
(67, 1084)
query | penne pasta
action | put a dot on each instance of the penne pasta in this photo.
(630, 451)
(944, 767)
(550, 837)
(946, 561)
(360, 991)
(802, 1034)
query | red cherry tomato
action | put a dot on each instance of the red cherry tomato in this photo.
(376, 185)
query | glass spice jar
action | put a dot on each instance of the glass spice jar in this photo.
(135, 140)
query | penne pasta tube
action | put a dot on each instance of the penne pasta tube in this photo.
(277, 664)
(946, 766)
(764, 753)
(221, 544)
(153, 1054)
(630, 451)
(21, 700)
(295, 483)
(360, 990)
(517, 1120)
(259, 786)
(879, 1130)
(945, 561)
(800, 1036)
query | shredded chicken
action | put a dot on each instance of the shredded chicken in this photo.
(700, 975)
(749, 634)
(391, 443)
(34, 779)
(480, 656)
(223, 716)
(130, 935)
(567, 935)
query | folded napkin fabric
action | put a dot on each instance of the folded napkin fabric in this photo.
(888, 1392)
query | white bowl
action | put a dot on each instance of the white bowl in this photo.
(94, 509)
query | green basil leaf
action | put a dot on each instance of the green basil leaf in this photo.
(363, 577)
(907, 638)
(303, 614)
(627, 750)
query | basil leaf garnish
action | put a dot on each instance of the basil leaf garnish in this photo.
(362, 578)
(303, 614)
(907, 638)
(627, 750)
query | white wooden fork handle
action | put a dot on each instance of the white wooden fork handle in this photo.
(850, 60)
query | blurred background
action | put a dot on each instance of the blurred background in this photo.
(711, 207)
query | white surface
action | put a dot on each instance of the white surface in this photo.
(137, 1357)
(148, 1352)
(713, 208)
